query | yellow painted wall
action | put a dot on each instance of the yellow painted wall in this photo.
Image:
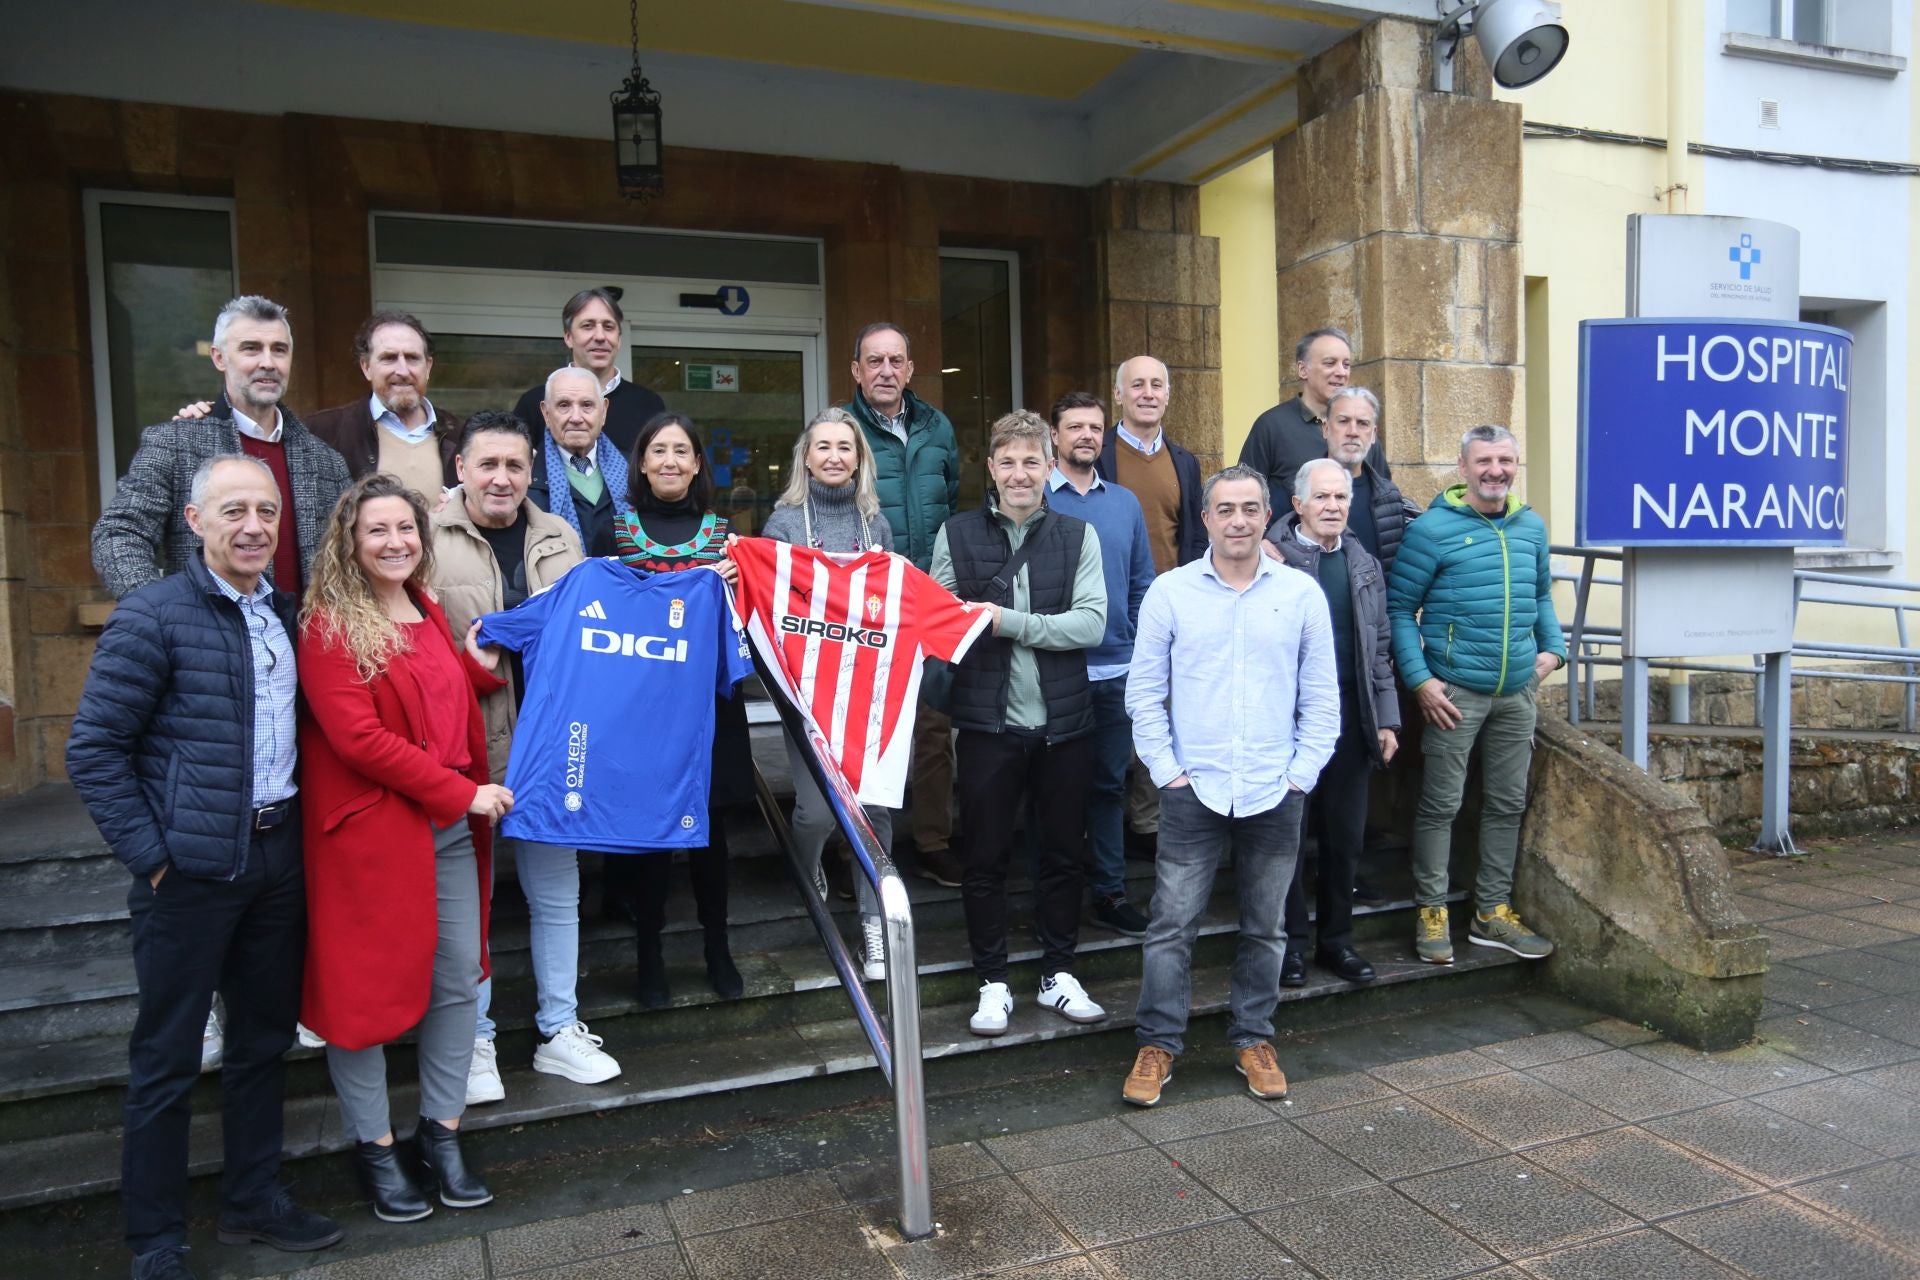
(1237, 207)
(1576, 197)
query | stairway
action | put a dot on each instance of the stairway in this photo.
(67, 999)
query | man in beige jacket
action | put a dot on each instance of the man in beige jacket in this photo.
(492, 549)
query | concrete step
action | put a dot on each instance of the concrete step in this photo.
(68, 1165)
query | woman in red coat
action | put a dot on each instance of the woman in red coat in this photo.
(398, 812)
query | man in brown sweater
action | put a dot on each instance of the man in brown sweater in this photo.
(1138, 456)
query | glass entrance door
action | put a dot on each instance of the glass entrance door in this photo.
(748, 394)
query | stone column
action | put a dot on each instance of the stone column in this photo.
(1159, 295)
(1397, 218)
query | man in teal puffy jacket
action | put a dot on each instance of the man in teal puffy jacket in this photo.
(916, 469)
(1475, 570)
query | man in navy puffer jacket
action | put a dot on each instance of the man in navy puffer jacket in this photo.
(183, 750)
(1475, 569)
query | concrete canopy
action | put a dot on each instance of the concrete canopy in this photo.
(1066, 91)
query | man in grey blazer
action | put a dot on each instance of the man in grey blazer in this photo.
(142, 534)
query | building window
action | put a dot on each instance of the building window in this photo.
(979, 352)
(1865, 25)
(159, 268)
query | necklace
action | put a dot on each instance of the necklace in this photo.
(814, 540)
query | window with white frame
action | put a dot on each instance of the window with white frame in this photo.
(1846, 24)
(159, 268)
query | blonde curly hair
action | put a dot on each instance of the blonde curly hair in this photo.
(340, 604)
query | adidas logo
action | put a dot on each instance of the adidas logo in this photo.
(594, 610)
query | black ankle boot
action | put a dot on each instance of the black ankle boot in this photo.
(395, 1195)
(653, 973)
(722, 976)
(438, 1148)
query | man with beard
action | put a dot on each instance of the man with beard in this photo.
(395, 429)
(1075, 489)
(143, 532)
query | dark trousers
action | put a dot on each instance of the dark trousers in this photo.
(997, 775)
(1337, 808)
(246, 939)
(647, 878)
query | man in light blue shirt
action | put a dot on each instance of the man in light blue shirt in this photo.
(1236, 709)
(1126, 560)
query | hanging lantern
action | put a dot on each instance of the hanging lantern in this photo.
(636, 127)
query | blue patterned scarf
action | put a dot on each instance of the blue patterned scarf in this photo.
(610, 462)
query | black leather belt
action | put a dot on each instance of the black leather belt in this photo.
(271, 816)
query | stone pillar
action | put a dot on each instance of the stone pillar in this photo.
(1397, 218)
(1159, 295)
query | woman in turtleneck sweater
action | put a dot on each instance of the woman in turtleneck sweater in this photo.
(830, 504)
(673, 526)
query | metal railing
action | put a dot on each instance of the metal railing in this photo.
(1586, 642)
(895, 1038)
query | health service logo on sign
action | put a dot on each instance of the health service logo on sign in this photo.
(1705, 433)
(1745, 255)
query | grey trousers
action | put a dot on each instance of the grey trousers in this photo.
(1504, 728)
(813, 822)
(446, 1032)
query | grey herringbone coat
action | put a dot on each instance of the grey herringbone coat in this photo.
(143, 533)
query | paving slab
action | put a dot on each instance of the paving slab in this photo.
(1535, 1051)
(1760, 1144)
(1778, 1238)
(1124, 1196)
(1170, 1123)
(1515, 1207)
(1645, 1175)
(1626, 1085)
(1747, 1070)
(1829, 1043)
(1516, 1110)
(1214, 1252)
(1263, 1168)
(1807, 989)
(1877, 1119)
(988, 1224)
(538, 1245)
(747, 1203)
(1891, 969)
(1022, 1151)
(1444, 1068)
(1398, 1137)
(834, 1243)
(1377, 1234)
(1883, 1201)
(1648, 1255)
(1328, 1092)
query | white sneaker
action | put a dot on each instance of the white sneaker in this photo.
(483, 1075)
(873, 937)
(308, 1038)
(1063, 994)
(996, 1002)
(213, 1043)
(574, 1052)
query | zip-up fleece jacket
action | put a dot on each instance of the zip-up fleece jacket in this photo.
(1482, 587)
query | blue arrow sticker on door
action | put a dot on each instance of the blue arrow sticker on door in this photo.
(733, 300)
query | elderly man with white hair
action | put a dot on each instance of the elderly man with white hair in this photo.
(576, 448)
(1315, 539)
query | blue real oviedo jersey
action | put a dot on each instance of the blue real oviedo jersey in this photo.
(615, 735)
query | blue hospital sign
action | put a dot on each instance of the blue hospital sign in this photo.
(1713, 433)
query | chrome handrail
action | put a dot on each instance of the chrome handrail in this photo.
(895, 1040)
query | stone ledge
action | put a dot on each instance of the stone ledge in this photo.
(1859, 62)
(1631, 882)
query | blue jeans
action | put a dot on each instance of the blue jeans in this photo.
(1192, 840)
(550, 880)
(1107, 800)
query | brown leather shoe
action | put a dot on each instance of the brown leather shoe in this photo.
(1152, 1068)
(1256, 1062)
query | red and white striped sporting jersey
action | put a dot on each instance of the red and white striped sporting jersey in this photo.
(846, 634)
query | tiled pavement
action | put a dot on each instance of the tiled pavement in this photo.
(1597, 1152)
